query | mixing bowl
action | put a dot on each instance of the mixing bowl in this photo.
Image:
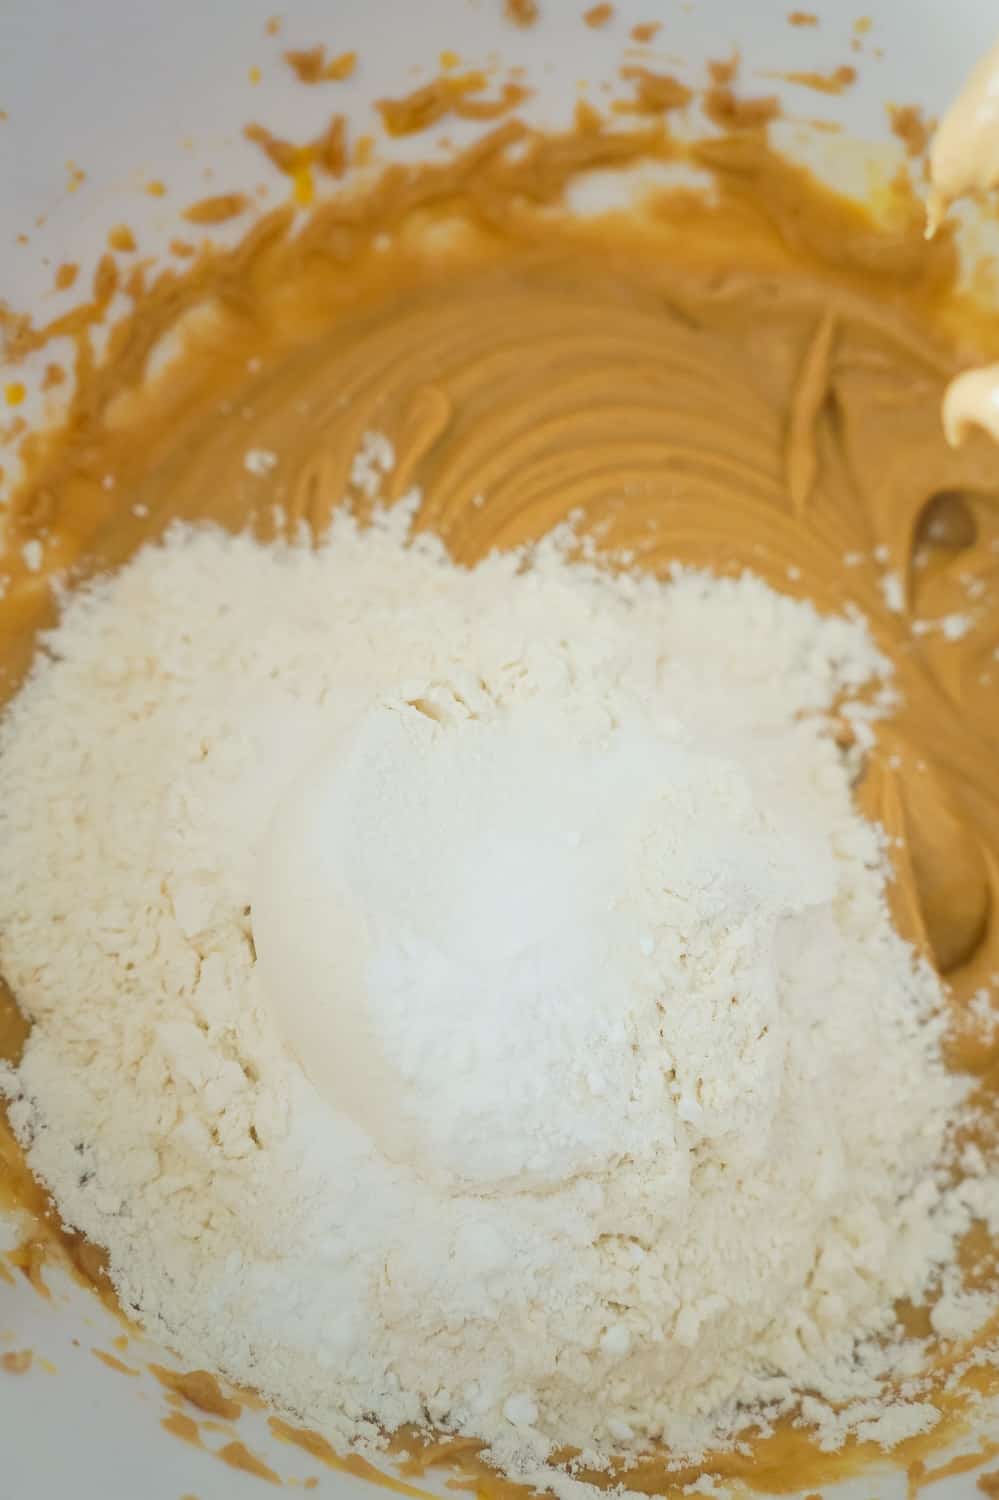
(125, 111)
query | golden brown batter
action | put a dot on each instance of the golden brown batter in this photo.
(753, 384)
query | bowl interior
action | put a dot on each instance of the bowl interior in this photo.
(133, 92)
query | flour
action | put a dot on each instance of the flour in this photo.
(570, 856)
(676, 1096)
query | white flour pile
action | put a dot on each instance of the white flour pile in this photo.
(545, 914)
(570, 865)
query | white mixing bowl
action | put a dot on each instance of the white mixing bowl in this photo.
(135, 90)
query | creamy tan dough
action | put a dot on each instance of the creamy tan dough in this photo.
(752, 384)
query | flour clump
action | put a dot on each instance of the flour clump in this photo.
(503, 920)
(566, 862)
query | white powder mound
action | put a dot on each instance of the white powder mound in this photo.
(569, 854)
(670, 1087)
